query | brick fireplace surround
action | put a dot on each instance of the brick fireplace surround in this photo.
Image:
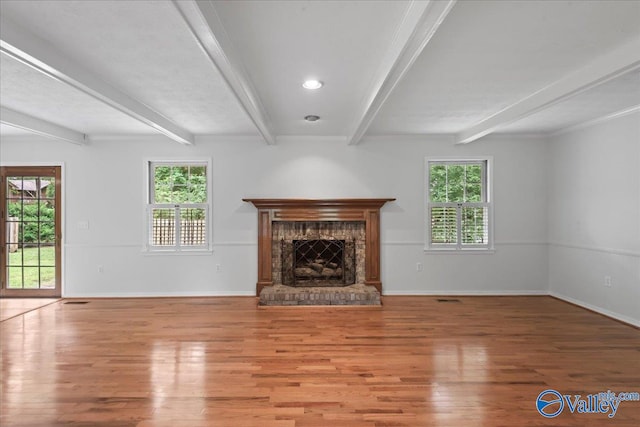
(306, 210)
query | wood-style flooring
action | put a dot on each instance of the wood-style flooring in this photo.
(477, 361)
(11, 307)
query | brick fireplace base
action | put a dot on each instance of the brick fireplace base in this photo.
(358, 294)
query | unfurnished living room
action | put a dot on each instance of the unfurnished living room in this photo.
(319, 213)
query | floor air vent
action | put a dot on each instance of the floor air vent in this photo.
(448, 300)
(77, 302)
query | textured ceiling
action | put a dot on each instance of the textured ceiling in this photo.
(489, 55)
(186, 68)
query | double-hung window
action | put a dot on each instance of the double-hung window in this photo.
(459, 209)
(178, 209)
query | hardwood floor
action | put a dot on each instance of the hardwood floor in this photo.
(414, 361)
(11, 307)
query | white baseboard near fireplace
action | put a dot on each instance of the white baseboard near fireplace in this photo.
(440, 292)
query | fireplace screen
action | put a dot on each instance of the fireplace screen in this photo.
(318, 261)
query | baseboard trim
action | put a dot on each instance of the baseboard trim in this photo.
(442, 292)
(607, 313)
(165, 295)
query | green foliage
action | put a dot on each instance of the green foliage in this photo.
(164, 213)
(180, 184)
(185, 214)
(455, 183)
(50, 190)
(37, 221)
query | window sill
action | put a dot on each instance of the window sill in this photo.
(160, 252)
(474, 251)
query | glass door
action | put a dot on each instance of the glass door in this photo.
(30, 231)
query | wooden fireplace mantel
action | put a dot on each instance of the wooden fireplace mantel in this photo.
(366, 210)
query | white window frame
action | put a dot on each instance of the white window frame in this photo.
(149, 165)
(459, 247)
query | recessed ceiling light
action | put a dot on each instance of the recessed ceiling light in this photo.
(312, 84)
(312, 118)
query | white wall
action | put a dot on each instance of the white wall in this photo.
(104, 186)
(594, 217)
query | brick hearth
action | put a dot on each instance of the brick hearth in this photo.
(358, 294)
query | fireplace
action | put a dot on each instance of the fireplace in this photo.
(281, 222)
(318, 262)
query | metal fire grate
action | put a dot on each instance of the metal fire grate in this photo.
(318, 260)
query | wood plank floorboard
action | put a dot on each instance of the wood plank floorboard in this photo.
(11, 307)
(414, 361)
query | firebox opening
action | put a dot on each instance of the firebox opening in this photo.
(346, 235)
(318, 261)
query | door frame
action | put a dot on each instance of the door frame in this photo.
(61, 246)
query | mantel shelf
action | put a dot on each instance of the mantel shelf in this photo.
(319, 203)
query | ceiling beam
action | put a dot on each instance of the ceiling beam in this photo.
(205, 25)
(421, 21)
(42, 56)
(606, 67)
(39, 126)
(616, 114)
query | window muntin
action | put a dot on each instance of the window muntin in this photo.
(179, 183)
(178, 208)
(458, 205)
(456, 182)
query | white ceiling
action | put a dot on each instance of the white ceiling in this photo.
(75, 70)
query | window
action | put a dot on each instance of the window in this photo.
(178, 207)
(458, 204)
